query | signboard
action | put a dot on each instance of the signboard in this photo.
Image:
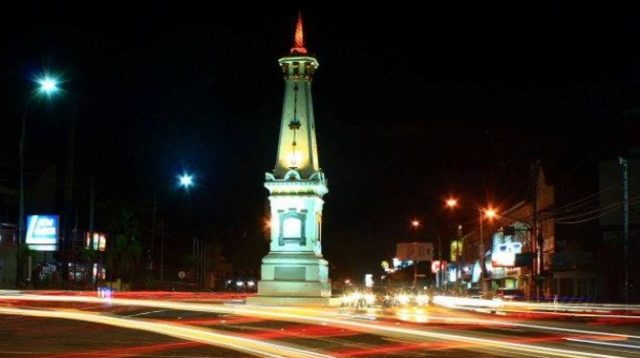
(456, 250)
(438, 265)
(452, 274)
(476, 272)
(414, 251)
(507, 244)
(504, 255)
(96, 241)
(368, 280)
(43, 232)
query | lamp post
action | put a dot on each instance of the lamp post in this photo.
(46, 86)
(489, 213)
(416, 224)
(186, 181)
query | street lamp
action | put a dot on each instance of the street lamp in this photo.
(185, 180)
(488, 213)
(415, 224)
(47, 86)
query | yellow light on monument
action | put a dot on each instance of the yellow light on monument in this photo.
(294, 159)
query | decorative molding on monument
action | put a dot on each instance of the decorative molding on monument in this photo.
(297, 67)
(294, 184)
(294, 176)
(294, 258)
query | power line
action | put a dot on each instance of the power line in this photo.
(605, 212)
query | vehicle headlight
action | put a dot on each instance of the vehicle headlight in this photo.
(422, 300)
(371, 299)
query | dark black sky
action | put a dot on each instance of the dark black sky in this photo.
(412, 103)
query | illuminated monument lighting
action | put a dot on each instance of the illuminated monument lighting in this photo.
(294, 272)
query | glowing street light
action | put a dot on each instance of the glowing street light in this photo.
(490, 213)
(48, 85)
(415, 223)
(186, 180)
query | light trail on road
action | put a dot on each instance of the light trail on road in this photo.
(324, 317)
(569, 310)
(233, 342)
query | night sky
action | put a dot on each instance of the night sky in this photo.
(411, 105)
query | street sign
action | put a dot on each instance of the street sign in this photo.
(438, 265)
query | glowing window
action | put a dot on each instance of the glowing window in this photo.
(292, 228)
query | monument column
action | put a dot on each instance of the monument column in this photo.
(294, 272)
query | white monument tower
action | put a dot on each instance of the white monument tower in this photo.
(294, 272)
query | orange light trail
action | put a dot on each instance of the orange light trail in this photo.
(233, 342)
(323, 317)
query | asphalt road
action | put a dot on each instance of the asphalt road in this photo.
(210, 325)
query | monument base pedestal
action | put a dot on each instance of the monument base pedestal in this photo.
(293, 279)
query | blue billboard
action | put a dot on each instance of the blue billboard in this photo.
(43, 232)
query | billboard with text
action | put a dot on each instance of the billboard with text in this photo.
(43, 232)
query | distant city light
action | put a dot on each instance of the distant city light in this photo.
(415, 223)
(452, 202)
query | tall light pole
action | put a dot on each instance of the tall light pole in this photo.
(625, 196)
(439, 275)
(46, 86)
(484, 213)
(186, 181)
(415, 224)
(489, 214)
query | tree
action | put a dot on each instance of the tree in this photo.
(88, 256)
(125, 253)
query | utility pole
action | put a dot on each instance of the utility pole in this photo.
(92, 205)
(153, 228)
(161, 248)
(537, 241)
(625, 184)
(21, 237)
(536, 267)
(481, 258)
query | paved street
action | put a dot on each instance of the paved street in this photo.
(210, 325)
